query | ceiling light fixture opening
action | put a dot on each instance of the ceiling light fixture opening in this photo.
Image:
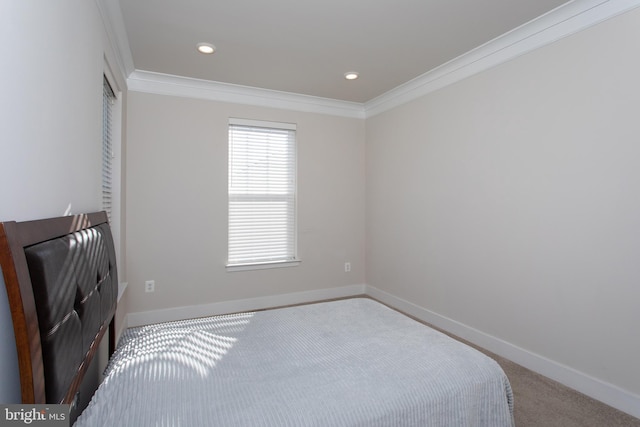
(351, 75)
(206, 48)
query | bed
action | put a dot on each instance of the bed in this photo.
(350, 362)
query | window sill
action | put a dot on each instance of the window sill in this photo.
(261, 265)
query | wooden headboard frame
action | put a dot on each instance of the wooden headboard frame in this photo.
(15, 237)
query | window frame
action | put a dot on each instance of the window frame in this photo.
(109, 99)
(115, 221)
(253, 264)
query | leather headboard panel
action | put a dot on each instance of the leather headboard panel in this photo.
(74, 282)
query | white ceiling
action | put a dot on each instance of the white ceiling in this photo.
(305, 47)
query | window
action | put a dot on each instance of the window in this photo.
(108, 101)
(262, 194)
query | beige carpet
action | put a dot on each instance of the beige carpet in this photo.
(542, 402)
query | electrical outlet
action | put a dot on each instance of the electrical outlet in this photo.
(150, 286)
(347, 267)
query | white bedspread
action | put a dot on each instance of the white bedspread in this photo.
(352, 362)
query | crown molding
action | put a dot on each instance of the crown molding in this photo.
(561, 22)
(116, 35)
(165, 84)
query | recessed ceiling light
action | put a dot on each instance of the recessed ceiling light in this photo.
(351, 75)
(206, 48)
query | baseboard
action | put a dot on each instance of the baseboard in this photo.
(593, 387)
(605, 392)
(235, 306)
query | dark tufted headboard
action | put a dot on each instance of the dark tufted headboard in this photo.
(62, 285)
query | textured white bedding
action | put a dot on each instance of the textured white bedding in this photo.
(352, 362)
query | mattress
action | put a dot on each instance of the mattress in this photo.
(351, 362)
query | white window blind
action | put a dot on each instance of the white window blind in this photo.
(262, 192)
(108, 100)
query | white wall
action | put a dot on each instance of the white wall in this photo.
(177, 203)
(509, 202)
(53, 57)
